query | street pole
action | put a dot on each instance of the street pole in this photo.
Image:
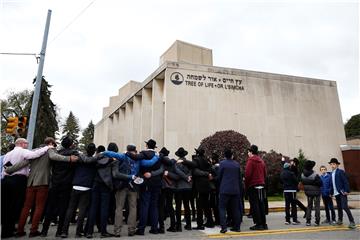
(36, 95)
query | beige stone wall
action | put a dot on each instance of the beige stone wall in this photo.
(283, 113)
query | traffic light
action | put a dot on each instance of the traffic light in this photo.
(22, 125)
(11, 126)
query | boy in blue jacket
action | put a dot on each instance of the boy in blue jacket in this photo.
(340, 189)
(325, 194)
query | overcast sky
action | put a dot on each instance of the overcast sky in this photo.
(113, 42)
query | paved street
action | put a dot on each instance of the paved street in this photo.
(277, 230)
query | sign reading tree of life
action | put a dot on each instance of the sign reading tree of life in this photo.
(207, 81)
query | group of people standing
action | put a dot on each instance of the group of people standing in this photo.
(327, 185)
(53, 184)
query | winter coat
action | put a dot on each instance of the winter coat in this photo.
(312, 183)
(184, 172)
(230, 177)
(201, 174)
(255, 172)
(289, 180)
(62, 173)
(341, 182)
(326, 184)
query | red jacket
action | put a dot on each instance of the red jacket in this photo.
(255, 172)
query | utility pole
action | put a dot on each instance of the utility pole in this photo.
(36, 95)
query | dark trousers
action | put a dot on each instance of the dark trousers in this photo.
(57, 204)
(342, 204)
(203, 207)
(100, 199)
(233, 201)
(257, 202)
(79, 199)
(149, 197)
(34, 195)
(329, 207)
(166, 207)
(313, 200)
(300, 205)
(214, 205)
(183, 198)
(290, 201)
(13, 190)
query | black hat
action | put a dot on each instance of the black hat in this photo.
(151, 144)
(334, 160)
(131, 148)
(253, 149)
(309, 165)
(164, 151)
(67, 142)
(181, 152)
(200, 151)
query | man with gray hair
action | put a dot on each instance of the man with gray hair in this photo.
(13, 185)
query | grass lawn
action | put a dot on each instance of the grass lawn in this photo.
(275, 198)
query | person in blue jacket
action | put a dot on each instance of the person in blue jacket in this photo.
(125, 171)
(340, 189)
(325, 194)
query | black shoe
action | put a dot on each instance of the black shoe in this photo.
(188, 227)
(131, 234)
(171, 229)
(199, 228)
(117, 235)
(235, 229)
(162, 230)
(43, 233)
(20, 234)
(139, 232)
(34, 234)
(58, 234)
(257, 227)
(153, 231)
(266, 227)
(178, 228)
(106, 235)
(223, 230)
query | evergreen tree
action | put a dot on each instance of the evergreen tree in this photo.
(71, 127)
(87, 135)
(352, 127)
(46, 120)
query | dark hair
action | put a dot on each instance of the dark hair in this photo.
(67, 142)
(228, 153)
(100, 149)
(253, 149)
(50, 140)
(90, 149)
(322, 166)
(112, 147)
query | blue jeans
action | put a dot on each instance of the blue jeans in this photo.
(233, 200)
(149, 197)
(100, 199)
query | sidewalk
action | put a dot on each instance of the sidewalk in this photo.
(279, 206)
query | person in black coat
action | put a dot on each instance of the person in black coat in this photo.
(290, 183)
(203, 175)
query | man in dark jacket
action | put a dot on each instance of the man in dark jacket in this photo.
(81, 192)
(230, 184)
(202, 174)
(290, 183)
(255, 174)
(149, 190)
(340, 189)
(61, 186)
(312, 184)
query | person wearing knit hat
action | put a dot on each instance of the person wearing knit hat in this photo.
(290, 183)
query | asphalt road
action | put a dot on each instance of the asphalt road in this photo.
(277, 230)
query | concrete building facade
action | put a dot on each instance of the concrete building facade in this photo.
(187, 99)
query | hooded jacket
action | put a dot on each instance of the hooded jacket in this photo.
(312, 182)
(255, 172)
